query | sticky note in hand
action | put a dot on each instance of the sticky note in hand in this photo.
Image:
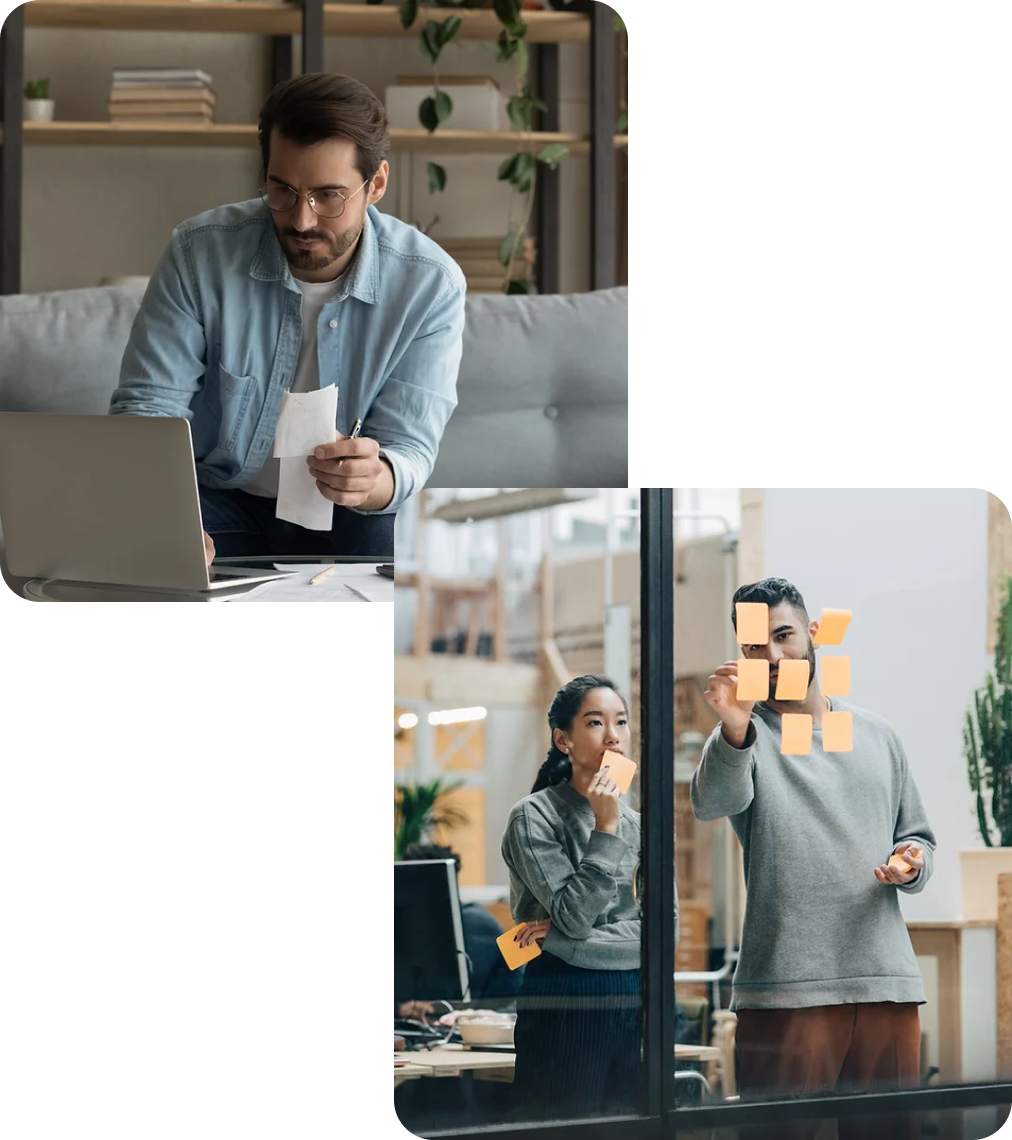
(753, 680)
(620, 768)
(752, 623)
(795, 734)
(792, 680)
(832, 627)
(900, 863)
(837, 732)
(835, 676)
(515, 954)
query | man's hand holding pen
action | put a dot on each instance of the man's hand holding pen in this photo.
(350, 472)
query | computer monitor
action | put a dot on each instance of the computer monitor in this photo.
(430, 963)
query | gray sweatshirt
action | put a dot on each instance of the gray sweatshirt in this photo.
(819, 929)
(562, 869)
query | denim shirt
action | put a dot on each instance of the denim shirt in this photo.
(218, 333)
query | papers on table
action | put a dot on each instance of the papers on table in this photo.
(306, 420)
(358, 582)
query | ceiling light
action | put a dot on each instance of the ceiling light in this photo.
(508, 503)
(457, 716)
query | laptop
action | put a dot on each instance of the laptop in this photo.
(107, 499)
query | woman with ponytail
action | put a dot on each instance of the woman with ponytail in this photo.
(572, 847)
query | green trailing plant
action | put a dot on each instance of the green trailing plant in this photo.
(987, 735)
(37, 89)
(419, 809)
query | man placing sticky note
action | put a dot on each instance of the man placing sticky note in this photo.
(821, 797)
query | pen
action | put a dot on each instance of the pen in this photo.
(356, 428)
(322, 574)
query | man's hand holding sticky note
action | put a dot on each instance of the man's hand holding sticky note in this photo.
(513, 953)
(620, 768)
(903, 866)
(753, 680)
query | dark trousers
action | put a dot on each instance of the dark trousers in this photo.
(868, 1046)
(244, 525)
(578, 1039)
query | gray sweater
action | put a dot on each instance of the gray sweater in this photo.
(819, 929)
(562, 869)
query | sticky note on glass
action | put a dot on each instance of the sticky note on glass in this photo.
(836, 676)
(515, 954)
(837, 732)
(620, 768)
(832, 626)
(792, 680)
(795, 734)
(753, 680)
(900, 863)
(752, 623)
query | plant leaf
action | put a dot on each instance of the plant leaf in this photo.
(448, 29)
(524, 285)
(523, 59)
(409, 13)
(444, 106)
(430, 40)
(553, 153)
(523, 173)
(427, 114)
(508, 11)
(511, 243)
(507, 46)
(619, 24)
(437, 177)
(622, 124)
(507, 167)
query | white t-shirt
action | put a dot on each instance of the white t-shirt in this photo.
(315, 294)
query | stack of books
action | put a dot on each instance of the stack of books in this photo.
(478, 258)
(161, 95)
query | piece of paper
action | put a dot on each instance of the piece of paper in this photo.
(837, 732)
(792, 680)
(306, 420)
(514, 954)
(752, 623)
(339, 586)
(836, 676)
(795, 734)
(900, 863)
(753, 680)
(832, 627)
(620, 768)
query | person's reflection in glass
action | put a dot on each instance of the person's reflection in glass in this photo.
(827, 987)
(572, 847)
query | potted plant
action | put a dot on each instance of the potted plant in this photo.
(39, 107)
(419, 809)
(987, 742)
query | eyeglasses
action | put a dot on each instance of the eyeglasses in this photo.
(326, 203)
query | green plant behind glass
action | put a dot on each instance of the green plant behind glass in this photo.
(37, 89)
(419, 809)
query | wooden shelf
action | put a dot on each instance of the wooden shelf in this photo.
(245, 134)
(273, 19)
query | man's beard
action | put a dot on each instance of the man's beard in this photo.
(810, 658)
(311, 260)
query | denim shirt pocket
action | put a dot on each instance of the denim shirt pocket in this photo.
(231, 405)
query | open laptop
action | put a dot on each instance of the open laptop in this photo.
(107, 499)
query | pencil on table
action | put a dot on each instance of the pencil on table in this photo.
(322, 574)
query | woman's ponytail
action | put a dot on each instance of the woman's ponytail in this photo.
(556, 769)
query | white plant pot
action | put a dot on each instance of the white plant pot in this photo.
(39, 110)
(978, 872)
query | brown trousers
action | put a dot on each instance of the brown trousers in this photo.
(871, 1046)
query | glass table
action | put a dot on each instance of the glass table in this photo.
(57, 590)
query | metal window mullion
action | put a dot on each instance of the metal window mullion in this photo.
(312, 35)
(12, 77)
(603, 197)
(547, 201)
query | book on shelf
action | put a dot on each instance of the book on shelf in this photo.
(136, 110)
(192, 76)
(159, 94)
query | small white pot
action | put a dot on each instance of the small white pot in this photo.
(39, 110)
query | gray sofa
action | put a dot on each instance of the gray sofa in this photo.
(542, 388)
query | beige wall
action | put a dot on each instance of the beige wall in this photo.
(91, 212)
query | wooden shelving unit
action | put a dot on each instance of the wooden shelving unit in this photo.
(590, 23)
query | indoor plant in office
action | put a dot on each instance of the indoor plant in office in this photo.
(421, 808)
(39, 108)
(987, 742)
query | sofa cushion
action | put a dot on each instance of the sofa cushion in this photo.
(542, 395)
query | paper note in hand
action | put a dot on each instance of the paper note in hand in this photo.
(792, 680)
(832, 627)
(900, 863)
(514, 954)
(620, 768)
(752, 623)
(753, 680)
(306, 420)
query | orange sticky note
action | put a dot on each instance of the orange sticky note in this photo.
(795, 734)
(514, 954)
(900, 863)
(837, 732)
(792, 680)
(753, 680)
(832, 626)
(620, 768)
(835, 676)
(752, 623)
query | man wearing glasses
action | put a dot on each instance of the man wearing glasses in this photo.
(305, 286)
